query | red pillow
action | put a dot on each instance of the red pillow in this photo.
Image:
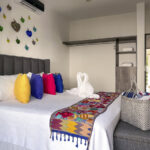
(49, 84)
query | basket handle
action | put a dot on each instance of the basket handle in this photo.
(134, 88)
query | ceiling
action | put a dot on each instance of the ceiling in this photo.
(80, 9)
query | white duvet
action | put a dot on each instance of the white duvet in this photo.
(27, 125)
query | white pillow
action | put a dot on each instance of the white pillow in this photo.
(41, 74)
(7, 83)
(29, 74)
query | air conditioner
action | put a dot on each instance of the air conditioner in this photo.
(34, 5)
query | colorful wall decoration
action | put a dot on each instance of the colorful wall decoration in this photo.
(21, 27)
(22, 19)
(9, 7)
(1, 28)
(16, 26)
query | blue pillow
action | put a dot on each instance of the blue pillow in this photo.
(58, 83)
(36, 86)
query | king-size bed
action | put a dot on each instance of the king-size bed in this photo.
(27, 126)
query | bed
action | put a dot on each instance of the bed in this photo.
(26, 127)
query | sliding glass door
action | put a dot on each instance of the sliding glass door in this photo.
(147, 78)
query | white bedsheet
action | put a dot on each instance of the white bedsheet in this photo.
(27, 125)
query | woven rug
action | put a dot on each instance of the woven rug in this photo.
(77, 120)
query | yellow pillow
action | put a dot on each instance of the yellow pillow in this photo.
(22, 88)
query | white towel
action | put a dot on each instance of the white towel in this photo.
(127, 64)
(128, 49)
(84, 89)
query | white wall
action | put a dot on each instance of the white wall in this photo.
(148, 21)
(98, 61)
(52, 29)
(141, 45)
(148, 17)
(101, 27)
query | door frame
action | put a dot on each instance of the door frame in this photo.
(147, 34)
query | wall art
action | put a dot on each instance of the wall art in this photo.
(33, 42)
(16, 26)
(29, 18)
(8, 40)
(37, 39)
(29, 33)
(4, 16)
(22, 19)
(26, 47)
(17, 41)
(34, 29)
(9, 7)
(1, 28)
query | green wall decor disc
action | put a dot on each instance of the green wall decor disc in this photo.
(22, 19)
(8, 40)
(26, 47)
(17, 41)
(1, 28)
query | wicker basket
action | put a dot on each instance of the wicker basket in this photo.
(136, 112)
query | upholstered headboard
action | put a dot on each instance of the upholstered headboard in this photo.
(10, 65)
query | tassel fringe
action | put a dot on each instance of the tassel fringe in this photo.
(56, 135)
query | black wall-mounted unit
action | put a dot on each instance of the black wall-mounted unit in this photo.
(35, 5)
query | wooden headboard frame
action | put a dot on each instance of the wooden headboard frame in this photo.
(10, 65)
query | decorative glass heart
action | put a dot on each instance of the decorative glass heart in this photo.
(29, 33)
(4, 16)
(8, 40)
(34, 29)
(22, 19)
(1, 28)
(29, 18)
(26, 47)
(33, 42)
(17, 41)
(16, 26)
(37, 39)
(9, 7)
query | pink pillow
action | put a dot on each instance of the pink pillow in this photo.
(49, 84)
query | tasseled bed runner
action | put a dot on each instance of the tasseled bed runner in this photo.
(77, 120)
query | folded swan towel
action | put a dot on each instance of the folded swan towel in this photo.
(84, 88)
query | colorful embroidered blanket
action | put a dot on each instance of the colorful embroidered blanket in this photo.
(77, 120)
